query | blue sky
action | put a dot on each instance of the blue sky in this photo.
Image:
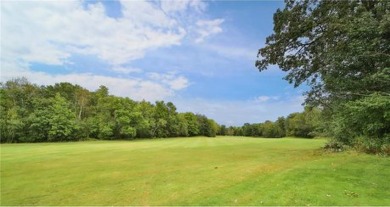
(198, 54)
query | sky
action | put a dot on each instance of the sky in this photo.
(200, 55)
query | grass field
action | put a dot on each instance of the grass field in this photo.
(191, 171)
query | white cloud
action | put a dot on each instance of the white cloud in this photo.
(182, 5)
(49, 32)
(126, 70)
(138, 89)
(263, 99)
(179, 83)
(237, 113)
(172, 80)
(207, 28)
(143, 14)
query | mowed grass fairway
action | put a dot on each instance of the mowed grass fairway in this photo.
(191, 171)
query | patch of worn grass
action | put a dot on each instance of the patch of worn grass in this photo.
(191, 171)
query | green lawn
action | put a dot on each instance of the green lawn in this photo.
(191, 171)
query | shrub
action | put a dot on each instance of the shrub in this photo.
(335, 146)
(364, 124)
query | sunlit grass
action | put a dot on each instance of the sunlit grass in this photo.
(191, 171)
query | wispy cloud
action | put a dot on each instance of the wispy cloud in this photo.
(207, 28)
(174, 81)
(182, 6)
(126, 70)
(263, 99)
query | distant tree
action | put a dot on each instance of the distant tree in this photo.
(11, 125)
(257, 130)
(222, 130)
(213, 128)
(253, 130)
(16, 102)
(281, 124)
(102, 92)
(271, 130)
(298, 126)
(173, 125)
(231, 131)
(161, 115)
(247, 129)
(192, 124)
(67, 112)
(124, 123)
(182, 125)
(304, 124)
(103, 121)
(207, 127)
(238, 131)
(39, 121)
(82, 98)
(61, 120)
(145, 121)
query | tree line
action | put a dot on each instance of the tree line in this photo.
(67, 112)
(306, 124)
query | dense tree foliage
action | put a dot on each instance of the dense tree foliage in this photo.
(306, 124)
(67, 112)
(341, 49)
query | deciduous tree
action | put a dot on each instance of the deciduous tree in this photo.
(341, 49)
